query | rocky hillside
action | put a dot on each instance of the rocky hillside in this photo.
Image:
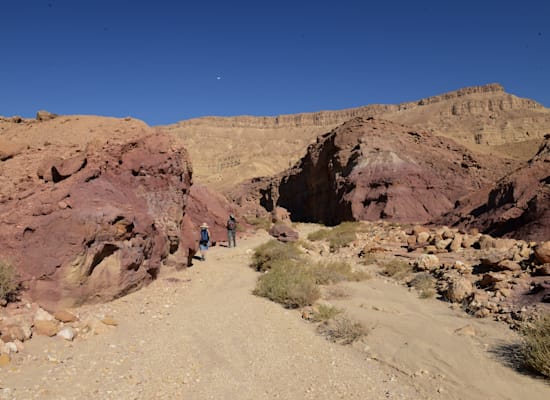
(516, 206)
(91, 207)
(370, 169)
(486, 119)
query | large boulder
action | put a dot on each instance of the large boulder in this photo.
(103, 229)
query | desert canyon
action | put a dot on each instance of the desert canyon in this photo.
(99, 220)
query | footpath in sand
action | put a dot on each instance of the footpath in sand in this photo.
(199, 333)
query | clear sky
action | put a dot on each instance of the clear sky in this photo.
(163, 61)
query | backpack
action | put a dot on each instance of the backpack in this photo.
(204, 236)
(231, 225)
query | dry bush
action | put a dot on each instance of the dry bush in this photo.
(335, 292)
(536, 346)
(339, 236)
(8, 283)
(325, 312)
(274, 252)
(342, 330)
(397, 268)
(288, 284)
(326, 273)
(258, 222)
(425, 284)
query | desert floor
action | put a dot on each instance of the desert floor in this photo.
(199, 333)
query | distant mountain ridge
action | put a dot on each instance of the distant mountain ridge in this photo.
(483, 118)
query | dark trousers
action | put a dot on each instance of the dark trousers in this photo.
(231, 238)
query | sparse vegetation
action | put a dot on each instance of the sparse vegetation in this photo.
(536, 346)
(339, 236)
(424, 283)
(275, 253)
(258, 222)
(326, 273)
(342, 330)
(288, 284)
(397, 268)
(325, 312)
(335, 292)
(8, 284)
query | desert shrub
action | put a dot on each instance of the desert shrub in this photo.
(325, 312)
(8, 284)
(339, 236)
(342, 330)
(536, 346)
(274, 252)
(424, 283)
(326, 273)
(336, 292)
(396, 268)
(258, 222)
(288, 284)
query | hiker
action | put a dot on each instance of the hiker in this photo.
(231, 231)
(204, 241)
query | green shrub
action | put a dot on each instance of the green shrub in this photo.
(339, 236)
(536, 346)
(288, 284)
(342, 330)
(325, 312)
(274, 252)
(8, 284)
(424, 283)
(326, 273)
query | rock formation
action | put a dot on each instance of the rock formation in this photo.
(516, 206)
(99, 224)
(482, 118)
(369, 169)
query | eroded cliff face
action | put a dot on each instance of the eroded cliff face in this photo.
(517, 206)
(479, 117)
(369, 169)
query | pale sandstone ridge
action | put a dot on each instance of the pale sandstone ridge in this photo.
(226, 150)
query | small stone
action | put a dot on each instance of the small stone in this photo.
(65, 316)
(4, 360)
(45, 328)
(108, 320)
(67, 333)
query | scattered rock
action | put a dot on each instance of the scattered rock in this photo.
(45, 328)
(65, 316)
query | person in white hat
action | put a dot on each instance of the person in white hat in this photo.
(204, 241)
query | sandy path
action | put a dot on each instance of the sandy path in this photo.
(200, 334)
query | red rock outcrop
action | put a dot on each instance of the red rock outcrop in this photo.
(369, 169)
(98, 224)
(517, 206)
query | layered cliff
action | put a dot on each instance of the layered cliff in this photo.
(482, 118)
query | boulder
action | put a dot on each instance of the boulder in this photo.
(542, 252)
(283, 233)
(459, 289)
(427, 262)
(126, 201)
(44, 115)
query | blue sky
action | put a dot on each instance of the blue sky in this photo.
(164, 61)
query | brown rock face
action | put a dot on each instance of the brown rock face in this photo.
(516, 206)
(101, 226)
(369, 169)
